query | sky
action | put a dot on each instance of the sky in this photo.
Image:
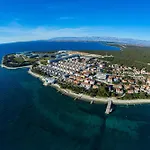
(44, 19)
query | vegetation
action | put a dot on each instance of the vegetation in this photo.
(140, 95)
(19, 59)
(102, 91)
(37, 70)
(44, 60)
(12, 61)
(130, 56)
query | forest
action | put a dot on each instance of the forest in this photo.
(130, 56)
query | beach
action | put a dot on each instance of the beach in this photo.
(99, 100)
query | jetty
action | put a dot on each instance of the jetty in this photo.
(75, 98)
(92, 102)
(109, 108)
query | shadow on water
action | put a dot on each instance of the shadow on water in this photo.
(98, 140)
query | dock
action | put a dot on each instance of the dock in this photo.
(75, 98)
(109, 107)
(92, 102)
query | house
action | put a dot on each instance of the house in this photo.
(91, 77)
(76, 82)
(92, 82)
(143, 87)
(95, 87)
(124, 81)
(117, 86)
(70, 80)
(143, 71)
(101, 66)
(99, 83)
(136, 90)
(126, 87)
(82, 76)
(78, 78)
(110, 79)
(147, 88)
(131, 81)
(86, 74)
(148, 81)
(77, 74)
(148, 91)
(86, 85)
(87, 80)
(130, 91)
(119, 91)
(50, 80)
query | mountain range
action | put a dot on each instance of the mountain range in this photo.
(128, 41)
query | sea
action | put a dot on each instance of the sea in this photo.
(34, 117)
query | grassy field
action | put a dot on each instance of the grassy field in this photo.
(19, 59)
(44, 60)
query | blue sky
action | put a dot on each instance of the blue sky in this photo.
(43, 19)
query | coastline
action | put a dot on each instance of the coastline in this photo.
(96, 100)
(87, 98)
(13, 68)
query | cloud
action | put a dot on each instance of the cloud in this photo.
(14, 33)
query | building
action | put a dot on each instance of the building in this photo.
(119, 91)
(100, 76)
(130, 91)
(64, 58)
(61, 55)
(110, 79)
(50, 80)
(136, 90)
(86, 85)
(95, 87)
(92, 82)
(148, 81)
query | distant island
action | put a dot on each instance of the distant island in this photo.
(96, 76)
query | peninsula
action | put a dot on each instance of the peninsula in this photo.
(82, 75)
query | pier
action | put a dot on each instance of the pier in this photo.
(92, 102)
(109, 107)
(75, 98)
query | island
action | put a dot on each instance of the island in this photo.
(95, 76)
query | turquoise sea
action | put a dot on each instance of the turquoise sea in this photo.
(34, 117)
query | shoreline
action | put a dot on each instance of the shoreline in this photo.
(87, 98)
(13, 68)
(96, 100)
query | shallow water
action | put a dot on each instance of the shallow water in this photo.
(36, 117)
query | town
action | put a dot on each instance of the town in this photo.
(95, 75)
